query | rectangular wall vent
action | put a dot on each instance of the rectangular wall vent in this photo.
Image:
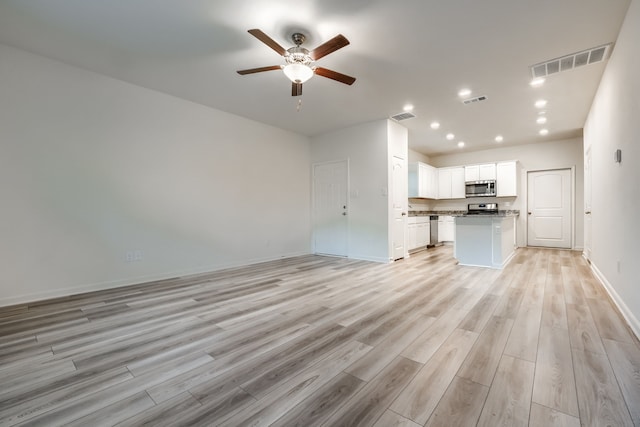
(474, 100)
(569, 62)
(403, 116)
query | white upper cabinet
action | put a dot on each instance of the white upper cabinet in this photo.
(507, 179)
(487, 171)
(457, 183)
(444, 183)
(451, 183)
(423, 181)
(482, 172)
(472, 173)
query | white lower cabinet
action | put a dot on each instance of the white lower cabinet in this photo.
(446, 228)
(418, 232)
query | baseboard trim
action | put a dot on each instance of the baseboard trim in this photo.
(370, 258)
(101, 286)
(628, 315)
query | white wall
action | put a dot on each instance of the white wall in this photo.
(613, 123)
(539, 156)
(92, 167)
(366, 148)
(415, 156)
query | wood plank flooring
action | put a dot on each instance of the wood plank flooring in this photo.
(320, 341)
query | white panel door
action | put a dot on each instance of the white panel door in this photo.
(398, 207)
(549, 208)
(330, 220)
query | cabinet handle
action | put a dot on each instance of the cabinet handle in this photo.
(528, 213)
(587, 212)
(404, 213)
(344, 213)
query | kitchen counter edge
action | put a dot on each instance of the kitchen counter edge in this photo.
(501, 213)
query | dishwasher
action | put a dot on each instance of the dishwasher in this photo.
(433, 238)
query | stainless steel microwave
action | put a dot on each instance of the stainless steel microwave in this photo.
(480, 188)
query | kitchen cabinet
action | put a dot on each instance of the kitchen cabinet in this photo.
(451, 183)
(418, 232)
(507, 179)
(482, 172)
(446, 228)
(423, 180)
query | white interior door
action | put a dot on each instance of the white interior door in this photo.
(549, 208)
(399, 208)
(587, 204)
(330, 209)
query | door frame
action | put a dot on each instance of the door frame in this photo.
(313, 203)
(587, 208)
(572, 196)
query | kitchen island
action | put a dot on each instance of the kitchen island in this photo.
(485, 240)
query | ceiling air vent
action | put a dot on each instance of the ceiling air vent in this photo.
(474, 100)
(403, 116)
(569, 62)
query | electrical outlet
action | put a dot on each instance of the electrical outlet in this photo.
(129, 256)
(137, 255)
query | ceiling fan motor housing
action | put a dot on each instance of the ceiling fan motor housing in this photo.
(298, 55)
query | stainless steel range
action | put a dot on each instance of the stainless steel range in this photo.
(482, 209)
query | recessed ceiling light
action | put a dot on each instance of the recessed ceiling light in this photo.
(499, 138)
(541, 120)
(450, 136)
(461, 144)
(544, 132)
(435, 125)
(537, 82)
(540, 103)
(408, 107)
(464, 93)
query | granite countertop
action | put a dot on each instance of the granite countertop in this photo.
(501, 213)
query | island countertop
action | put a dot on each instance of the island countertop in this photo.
(501, 213)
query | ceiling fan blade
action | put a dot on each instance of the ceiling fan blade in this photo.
(296, 89)
(339, 77)
(327, 47)
(258, 70)
(268, 41)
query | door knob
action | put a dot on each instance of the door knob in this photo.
(344, 213)
(404, 213)
(529, 213)
(587, 212)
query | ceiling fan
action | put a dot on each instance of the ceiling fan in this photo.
(299, 61)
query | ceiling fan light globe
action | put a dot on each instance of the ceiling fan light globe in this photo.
(298, 73)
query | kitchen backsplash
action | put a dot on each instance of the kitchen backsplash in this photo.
(504, 203)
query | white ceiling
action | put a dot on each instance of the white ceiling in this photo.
(410, 51)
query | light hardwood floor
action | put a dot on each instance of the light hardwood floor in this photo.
(313, 341)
